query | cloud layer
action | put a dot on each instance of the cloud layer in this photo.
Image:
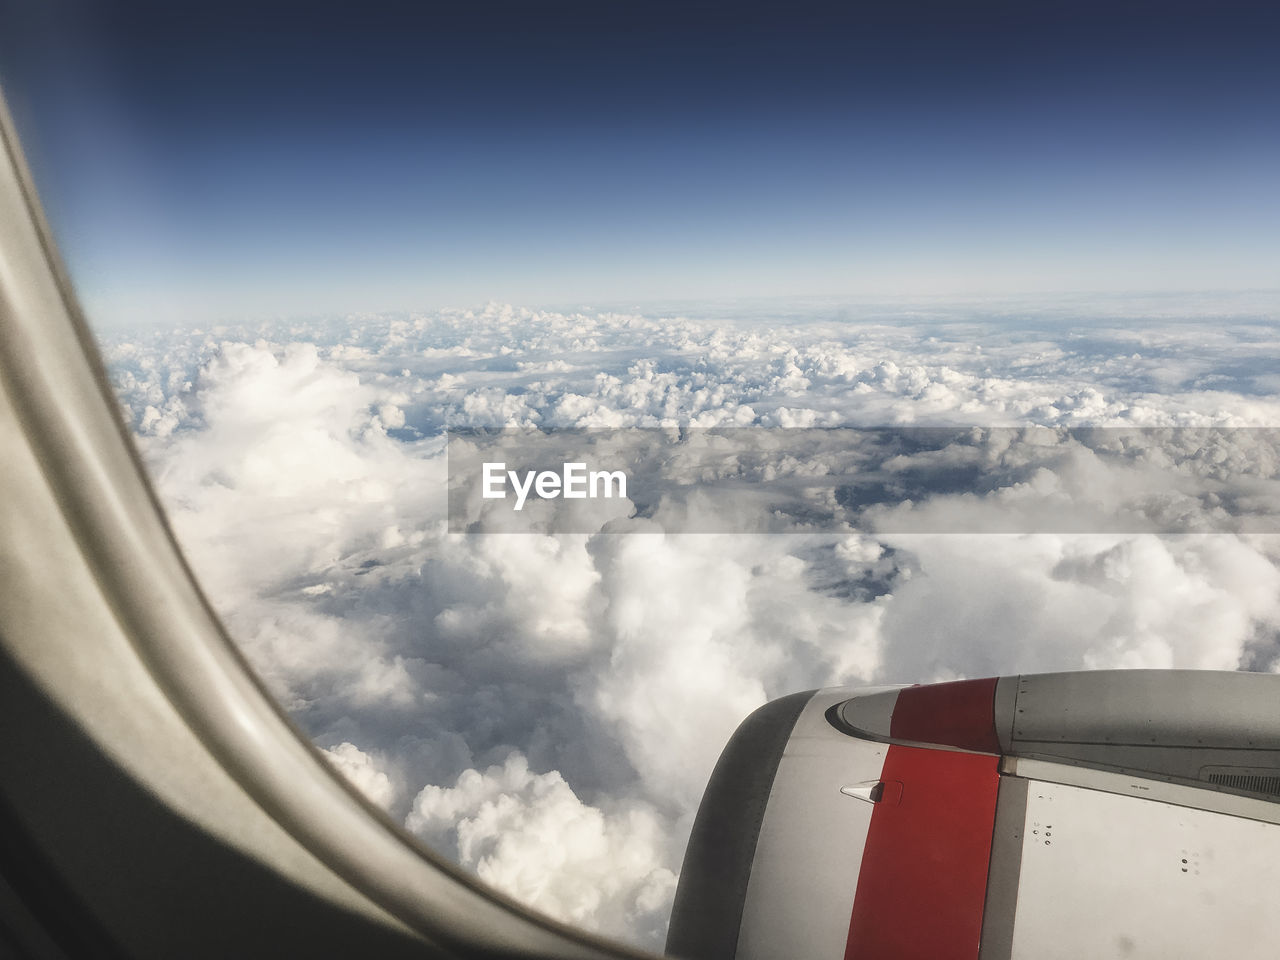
(546, 709)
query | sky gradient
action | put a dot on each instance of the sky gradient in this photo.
(233, 161)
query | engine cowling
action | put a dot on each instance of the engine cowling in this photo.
(972, 819)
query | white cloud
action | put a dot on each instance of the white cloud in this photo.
(983, 605)
(360, 768)
(531, 837)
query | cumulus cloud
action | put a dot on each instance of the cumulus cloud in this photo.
(530, 836)
(983, 605)
(546, 709)
(360, 768)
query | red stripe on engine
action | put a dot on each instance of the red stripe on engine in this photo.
(958, 714)
(923, 879)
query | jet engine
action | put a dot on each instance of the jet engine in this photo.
(1099, 814)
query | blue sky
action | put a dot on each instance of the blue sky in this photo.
(236, 161)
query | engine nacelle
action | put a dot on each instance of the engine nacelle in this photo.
(1038, 816)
